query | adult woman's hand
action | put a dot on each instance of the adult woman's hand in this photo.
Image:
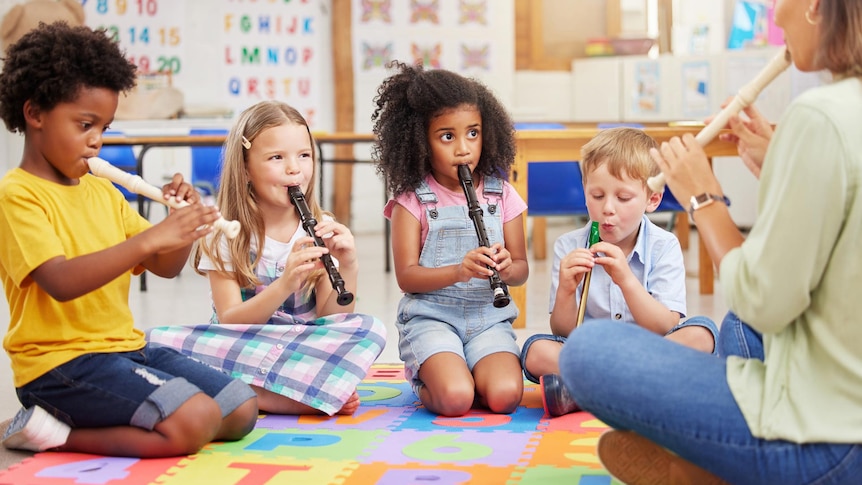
(751, 137)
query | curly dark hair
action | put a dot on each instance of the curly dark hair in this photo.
(406, 103)
(50, 64)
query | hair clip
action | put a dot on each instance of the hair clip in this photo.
(246, 143)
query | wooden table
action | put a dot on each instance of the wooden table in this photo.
(565, 145)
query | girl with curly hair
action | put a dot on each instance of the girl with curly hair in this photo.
(458, 349)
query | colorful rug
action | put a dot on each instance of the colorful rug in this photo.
(389, 441)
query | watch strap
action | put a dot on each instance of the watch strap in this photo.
(705, 199)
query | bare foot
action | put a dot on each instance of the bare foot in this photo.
(350, 406)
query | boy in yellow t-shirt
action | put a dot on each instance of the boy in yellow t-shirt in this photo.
(69, 243)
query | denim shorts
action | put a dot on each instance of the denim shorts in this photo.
(474, 334)
(139, 388)
(697, 321)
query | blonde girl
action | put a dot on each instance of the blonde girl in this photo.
(276, 324)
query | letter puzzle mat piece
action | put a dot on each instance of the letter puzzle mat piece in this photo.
(391, 440)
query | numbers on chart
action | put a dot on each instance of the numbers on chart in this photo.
(113, 31)
(141, 7)
(170, 64)
(140, 38)
(169, 36)
(142, 35)
(165, 36)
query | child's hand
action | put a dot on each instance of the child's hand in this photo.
(183, 227)
(613, 260)
(573, 267)
(339, 240)
(303, 259)
(180, 190)
(503, 258)
(476, 264)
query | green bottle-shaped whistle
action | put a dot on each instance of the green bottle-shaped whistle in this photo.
(594, 234)
(582, 305)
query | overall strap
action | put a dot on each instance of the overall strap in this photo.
(427, 198)
(493, 192)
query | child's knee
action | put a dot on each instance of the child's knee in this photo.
(194, 424)
(695, 337)
(240, 422)
(453, 399)
(505, 396)
(543, 357)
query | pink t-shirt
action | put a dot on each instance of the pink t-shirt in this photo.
(511, 205)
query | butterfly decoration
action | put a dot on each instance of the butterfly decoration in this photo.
(376, 9)
(473, 12)
(428, 11)
(475, 57)
(375, 55)
(428, 56)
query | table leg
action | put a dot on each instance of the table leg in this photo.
(705, 273)
(387, 229)
(519, 297)
(706, 276)
(682, 230)
(139, 161)
(540, 238)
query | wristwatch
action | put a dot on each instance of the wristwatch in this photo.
(705, 199)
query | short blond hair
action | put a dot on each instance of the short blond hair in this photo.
(624, 150)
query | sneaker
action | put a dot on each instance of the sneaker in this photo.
(34, 429)
(555, 397)
(635, 460)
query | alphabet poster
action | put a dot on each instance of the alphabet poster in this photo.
(272, 51)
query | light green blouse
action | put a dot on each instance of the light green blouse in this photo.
(797, 277)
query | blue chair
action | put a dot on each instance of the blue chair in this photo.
(206, 163)
(678, 218)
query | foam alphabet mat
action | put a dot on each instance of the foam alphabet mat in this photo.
(390, 440)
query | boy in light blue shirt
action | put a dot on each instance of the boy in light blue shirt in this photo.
(637, 268)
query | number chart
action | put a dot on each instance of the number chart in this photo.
(150, 31)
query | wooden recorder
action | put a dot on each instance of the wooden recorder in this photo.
(134, 183)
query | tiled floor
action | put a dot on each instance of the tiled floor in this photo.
(185, 300)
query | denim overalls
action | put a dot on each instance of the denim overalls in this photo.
(460, 318)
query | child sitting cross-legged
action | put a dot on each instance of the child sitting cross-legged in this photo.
(637, 269)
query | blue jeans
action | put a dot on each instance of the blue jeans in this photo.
(677, 397)
(140, 388)
(690, 322)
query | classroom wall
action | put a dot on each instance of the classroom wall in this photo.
(593, 90)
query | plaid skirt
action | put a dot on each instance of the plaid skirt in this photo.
(318, 363)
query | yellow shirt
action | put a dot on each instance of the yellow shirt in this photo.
(796, 276)
(40, 220)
